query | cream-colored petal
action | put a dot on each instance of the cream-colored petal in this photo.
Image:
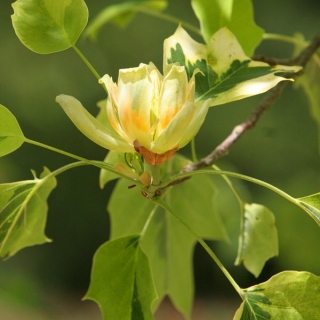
(135, 94)
(173, 96)
(113, 118)
(111, 106)
(157, 80)
(192, 86)
(183, 127)
(196, 122)
(91, 127)
(170, 137)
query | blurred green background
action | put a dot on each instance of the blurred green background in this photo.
(48, 281)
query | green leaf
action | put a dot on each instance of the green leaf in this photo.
(236, 15)
(227, 74)
(121, 14)
(23, 213)
(311, 204)
(310, 83)
(121, 281)
(11, 136)
(47, 26)
(168, 245)
(258, 240)
(289, 295)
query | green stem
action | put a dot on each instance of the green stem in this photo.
(289, 39)
(161, 203)
(193, 151)
(170, 18)
(88, 64)
(171, 179)
(283, 194)
(241, 205)
(63, 169)
(229, 183)
(155, 173)
(99, 164)
(70, 155)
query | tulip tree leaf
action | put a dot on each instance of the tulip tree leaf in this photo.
(289, 295)
(258, 240)
(310, 83)
(23, 213)
(236, 15)
(121, 281)
(47, 26)
(311, 204)
(167, 244)
(11, 136)
(121, 14)
(227, 74)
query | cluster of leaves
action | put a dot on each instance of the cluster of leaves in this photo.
(150, 251)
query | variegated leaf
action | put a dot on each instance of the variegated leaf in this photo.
(227, 74)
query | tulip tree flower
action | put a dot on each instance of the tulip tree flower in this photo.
(155, 113)
(149, 113)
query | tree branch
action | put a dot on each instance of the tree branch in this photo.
(223, 148)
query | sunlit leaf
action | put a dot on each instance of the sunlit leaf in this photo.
(227, 74)
(121, 14)
(23, 213)
(11, 136)
(121, 281)
(236, 15)
(47, 26)
(258, 240)
(289, 295)
(168, 245)
(311, 204)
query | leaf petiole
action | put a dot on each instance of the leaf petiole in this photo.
(284, 38)
(88, 64)
(193, 151)
(99, 164)
(45, 146)
(182, 176)
(161, 203)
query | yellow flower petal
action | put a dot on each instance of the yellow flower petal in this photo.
(90, 126)
(135, 93)
(173, 96)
